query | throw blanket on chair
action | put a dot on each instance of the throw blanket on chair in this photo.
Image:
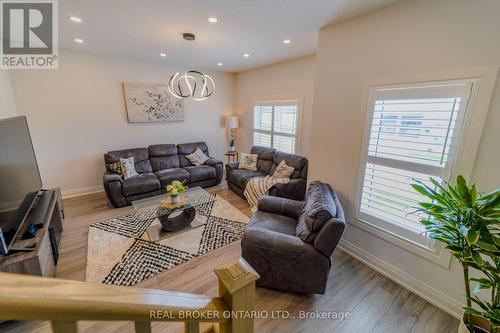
(259, 186)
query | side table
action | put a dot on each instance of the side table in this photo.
(232, 156)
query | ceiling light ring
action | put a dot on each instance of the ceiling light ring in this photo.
(192, 80)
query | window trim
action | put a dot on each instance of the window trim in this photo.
(298, 126)
(397, 235)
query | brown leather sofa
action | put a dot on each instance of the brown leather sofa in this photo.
(158, 166)
(290, 243)
(268, 160)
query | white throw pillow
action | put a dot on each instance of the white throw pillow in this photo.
(282, 171)
(248, 161)
(197, 157)
(128, 167)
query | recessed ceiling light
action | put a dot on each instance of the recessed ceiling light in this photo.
(78, 40)
(163, 54)
(286, 41)
(246, 55)
(219, 64)
(75, 19)
(212, 19)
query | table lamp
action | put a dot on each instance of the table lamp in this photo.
(232, 122)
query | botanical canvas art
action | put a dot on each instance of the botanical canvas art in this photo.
(151, 103)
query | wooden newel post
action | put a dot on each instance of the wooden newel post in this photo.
(237, 288)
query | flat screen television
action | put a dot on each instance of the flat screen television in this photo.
(20, 181)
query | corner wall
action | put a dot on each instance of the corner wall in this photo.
(292, 79)
(410, 40)
(77, 113)
(7, 102)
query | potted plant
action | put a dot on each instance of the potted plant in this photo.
(468, 223)
(174, 190)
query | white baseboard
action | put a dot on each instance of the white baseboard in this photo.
(76, 192)
(427, 292)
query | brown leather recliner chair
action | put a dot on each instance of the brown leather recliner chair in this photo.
(290, 243)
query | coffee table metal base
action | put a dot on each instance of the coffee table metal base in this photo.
(182, 220)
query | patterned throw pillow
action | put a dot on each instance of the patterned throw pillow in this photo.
(248, 161)
(128, 167)
(197, 157)
(282, 171)
(115, 167)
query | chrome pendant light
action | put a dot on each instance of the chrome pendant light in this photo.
(188, 85)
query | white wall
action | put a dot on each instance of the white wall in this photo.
(487, 172)
(288, 80)
(7, 102)
(77, 113)
(411, 40)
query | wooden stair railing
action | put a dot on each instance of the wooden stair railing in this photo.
(64, 302)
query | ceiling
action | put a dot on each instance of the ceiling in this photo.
(142, 29)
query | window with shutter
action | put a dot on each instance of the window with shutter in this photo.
(275, 125)
(413, 133)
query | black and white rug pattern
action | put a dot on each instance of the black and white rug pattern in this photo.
(120, 252)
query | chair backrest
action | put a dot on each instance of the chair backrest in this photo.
(163, 156)
(269, 158)
(184, 149)
(140, 155)
(299, 163)
(265, 158)
(330, 234)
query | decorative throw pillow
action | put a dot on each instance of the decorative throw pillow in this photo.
(115, 167)
(128, 167)
(248, 161)
(282, 171)
(197, 157)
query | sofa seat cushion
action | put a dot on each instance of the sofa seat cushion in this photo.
(240, 177)
(200, 172)
(273, 222)
(167, 176)
(142, 183)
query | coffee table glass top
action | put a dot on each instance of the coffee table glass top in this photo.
(196, 196)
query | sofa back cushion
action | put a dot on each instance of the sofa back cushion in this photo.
(163, 157)
(184, 149)
(319, 207)
(265, 158)
(299, 163)
(140, 155)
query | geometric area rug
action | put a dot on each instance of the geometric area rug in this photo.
(119, 251)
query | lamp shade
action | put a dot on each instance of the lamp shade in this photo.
(232, 122)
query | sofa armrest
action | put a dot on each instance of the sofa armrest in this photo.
(111, 177)
(232, 166)
(295, 189)
(213, 161)
(329, 236)
(281, 206)
(113, 187)
(218, 165)
(278, 242)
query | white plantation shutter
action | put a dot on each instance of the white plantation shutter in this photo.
(275, 125)
(413, 134)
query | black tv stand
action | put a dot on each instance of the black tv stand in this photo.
(37, 255)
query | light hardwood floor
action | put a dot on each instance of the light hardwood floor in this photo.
(375, 303)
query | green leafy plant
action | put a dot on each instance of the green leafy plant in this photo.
(468, 223)
(231, 138)
(175, 188)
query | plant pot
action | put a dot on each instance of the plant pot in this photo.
(232, 149)
(481, 325)
(175, 199)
